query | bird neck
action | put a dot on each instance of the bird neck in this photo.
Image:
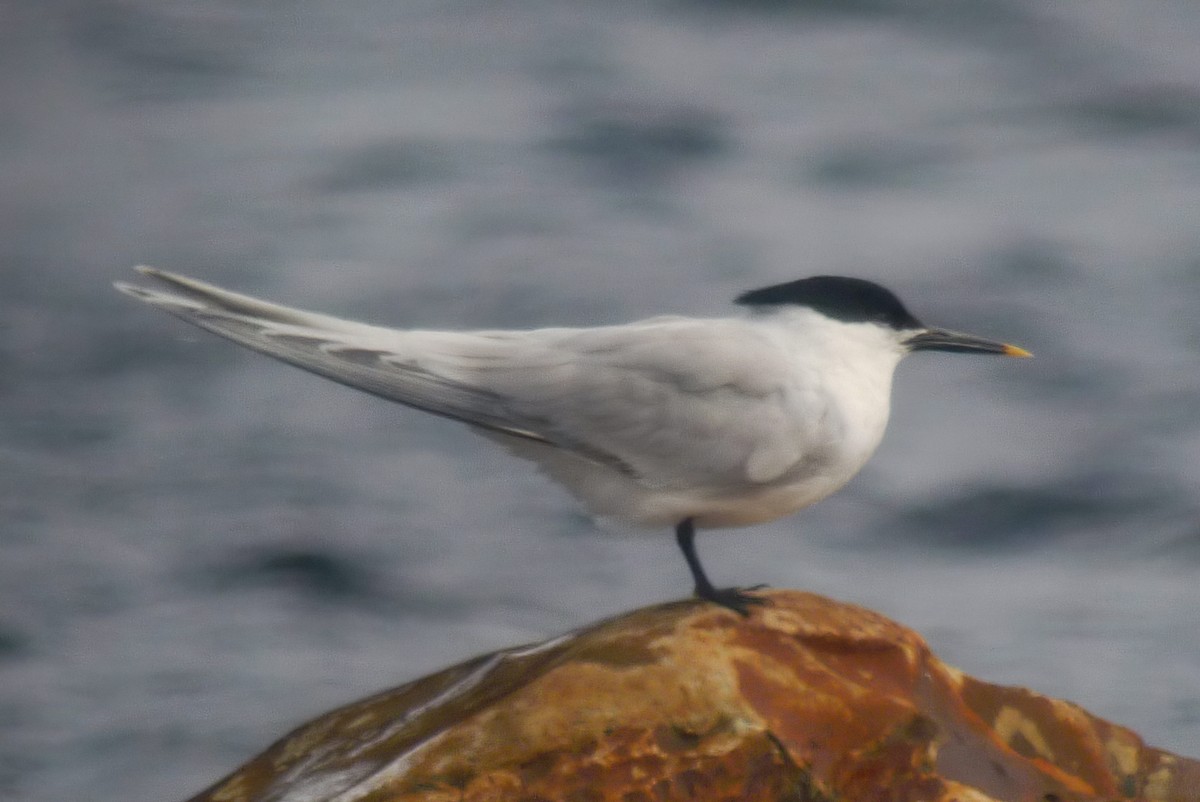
(853, 365)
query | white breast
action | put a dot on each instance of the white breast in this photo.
(789, 411)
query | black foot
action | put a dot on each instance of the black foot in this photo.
(737, 599)
(740, 600)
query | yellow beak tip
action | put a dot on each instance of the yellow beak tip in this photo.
(1012, 350)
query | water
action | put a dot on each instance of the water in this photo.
(201, 549)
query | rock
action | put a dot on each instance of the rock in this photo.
(808, 700)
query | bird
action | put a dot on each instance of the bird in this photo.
(668, 422)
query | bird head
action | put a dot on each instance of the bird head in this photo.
(855, 300)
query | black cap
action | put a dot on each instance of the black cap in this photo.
(852, 300)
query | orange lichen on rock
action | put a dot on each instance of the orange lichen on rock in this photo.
(807, 700)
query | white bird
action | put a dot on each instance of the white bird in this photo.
(671, 421)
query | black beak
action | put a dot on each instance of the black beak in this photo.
(943, 340)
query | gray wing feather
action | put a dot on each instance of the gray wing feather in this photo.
(674, 399)
(683, 402)
(369, 358)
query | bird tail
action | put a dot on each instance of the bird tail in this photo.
(215, 309)
(437, 372)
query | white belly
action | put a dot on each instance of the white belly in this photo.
(709, 511)
(806, 446)
(608, 493)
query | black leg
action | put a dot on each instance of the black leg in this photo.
(733, 598)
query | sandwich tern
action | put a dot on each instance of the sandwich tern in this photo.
(667, 422)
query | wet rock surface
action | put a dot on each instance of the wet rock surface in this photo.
(808, 699)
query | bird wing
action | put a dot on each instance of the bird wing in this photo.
(422, 369)
(670, 401)
(682, 402)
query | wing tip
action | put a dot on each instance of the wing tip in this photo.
(164, 276)
(129, 289)
(151, 272)
(164, 297)
(135, 290)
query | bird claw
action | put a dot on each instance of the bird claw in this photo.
(737, 599)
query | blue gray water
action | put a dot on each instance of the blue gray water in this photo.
(200, 549)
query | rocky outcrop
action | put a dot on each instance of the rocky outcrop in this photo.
(807, 700)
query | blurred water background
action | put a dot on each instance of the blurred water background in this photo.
(200, 548)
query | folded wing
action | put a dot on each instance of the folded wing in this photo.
(670, 401)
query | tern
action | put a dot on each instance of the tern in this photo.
(672, 421)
